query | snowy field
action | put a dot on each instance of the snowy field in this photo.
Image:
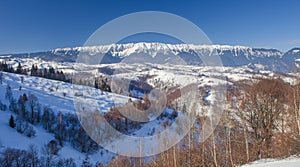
(288, 162)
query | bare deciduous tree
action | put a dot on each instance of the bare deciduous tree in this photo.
(262, 106)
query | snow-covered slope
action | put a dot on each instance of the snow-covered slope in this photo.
(47, 95)
(59, 96)
(51, 93)
(288, 162)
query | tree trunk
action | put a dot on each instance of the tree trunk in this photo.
(229, 145)
(297, 108)
(246, 143)
(189, 154)
(174, 156)
(214, 147)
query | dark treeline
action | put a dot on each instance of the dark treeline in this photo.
(49, 73)
(47, 157)
(30, 157)
(6, 68)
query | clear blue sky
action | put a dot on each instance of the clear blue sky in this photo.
(37, 25)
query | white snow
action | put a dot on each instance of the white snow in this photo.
(288, 162)
(123, 50)
(296, 51)
(56, 101)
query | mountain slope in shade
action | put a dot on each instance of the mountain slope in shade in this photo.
(292, 58)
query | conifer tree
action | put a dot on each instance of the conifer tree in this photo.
(12, 123)
(19, 69)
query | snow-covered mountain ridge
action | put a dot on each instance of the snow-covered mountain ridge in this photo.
(160, 53)
(123, 50)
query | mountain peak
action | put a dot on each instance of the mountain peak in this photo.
(294, 51)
